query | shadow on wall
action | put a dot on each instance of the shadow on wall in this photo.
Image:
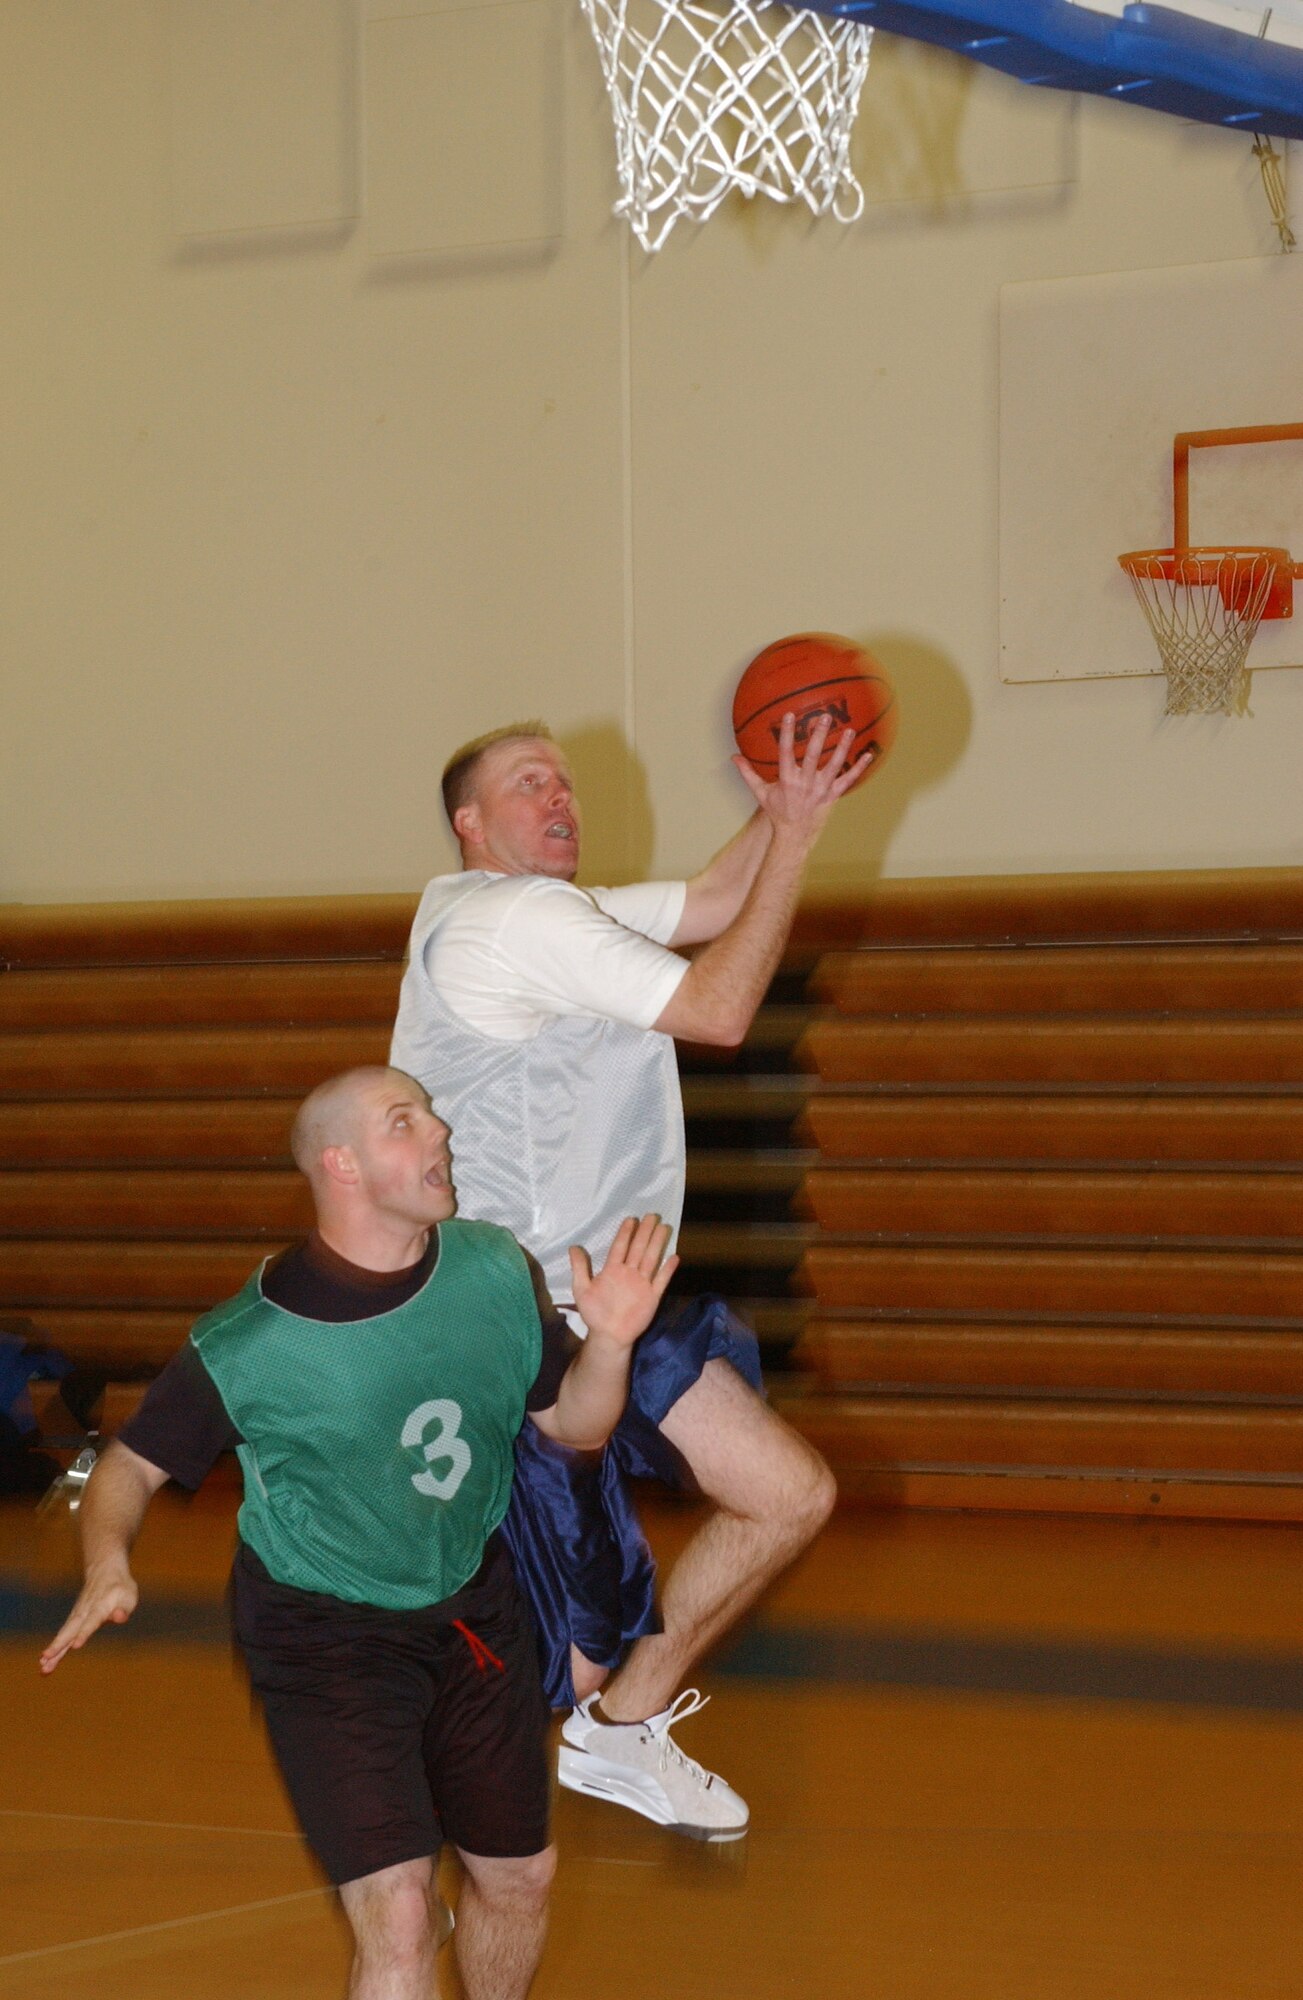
(619, 833)
(905, 146)
(936, 721)
(935, 135)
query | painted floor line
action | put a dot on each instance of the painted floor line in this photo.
(871, 1655)
(940, 1662)
(167, 1924)
(163, 1825)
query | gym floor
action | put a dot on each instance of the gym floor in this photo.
(997, 1757)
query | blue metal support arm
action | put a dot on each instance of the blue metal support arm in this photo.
(1154, 56)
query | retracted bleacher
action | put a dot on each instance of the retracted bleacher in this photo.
(1007, 1175)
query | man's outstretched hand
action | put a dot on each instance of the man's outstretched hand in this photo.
(620, 1302)
(104, 1600)
(801, 797)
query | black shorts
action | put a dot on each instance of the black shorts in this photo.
(395, 1730)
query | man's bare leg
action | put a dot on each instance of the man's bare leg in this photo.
(586, 1675)
(772, 1493)
(393, 1914)
(501, 1923)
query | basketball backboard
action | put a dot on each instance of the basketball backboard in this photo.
(1097, 377)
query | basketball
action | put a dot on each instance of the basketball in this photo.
(813, 674)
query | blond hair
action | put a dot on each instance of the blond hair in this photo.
(458, 780)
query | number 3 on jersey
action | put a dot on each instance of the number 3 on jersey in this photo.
(445, 1444)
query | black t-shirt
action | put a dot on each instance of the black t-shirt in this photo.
(182, 1425)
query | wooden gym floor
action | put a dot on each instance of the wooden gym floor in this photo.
(996, 1758)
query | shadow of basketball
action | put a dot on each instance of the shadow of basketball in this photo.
(936, 720)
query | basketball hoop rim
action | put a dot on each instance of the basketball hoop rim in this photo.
(1204, 602)
(1167, 563)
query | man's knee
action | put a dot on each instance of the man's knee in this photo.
(391, 1912)
(586, 1675)
(818, 1494)
(747, 1459)
(802, 1492)
(516, 1881)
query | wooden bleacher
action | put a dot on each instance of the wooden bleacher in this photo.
(1008, 1175)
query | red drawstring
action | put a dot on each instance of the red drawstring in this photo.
(480, 1653)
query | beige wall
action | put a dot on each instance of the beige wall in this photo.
(288, 518)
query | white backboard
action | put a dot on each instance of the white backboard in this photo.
(1097, 375)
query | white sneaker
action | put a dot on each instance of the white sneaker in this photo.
(639, 1765)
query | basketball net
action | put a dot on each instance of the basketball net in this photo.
(1203, 607)
(706, 99)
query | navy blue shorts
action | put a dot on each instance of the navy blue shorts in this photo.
(580, 1556)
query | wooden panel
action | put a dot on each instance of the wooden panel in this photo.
(773, 1034)
(737, 1170)
(1245, 1361)
(121, 1400)
(55, 1271)
(62, 1432)
(1152, 904)
(267, 927)
(200, 996)
(1040, 1490)
(745, 1097)
(114, 1062)
(774, 1246)
(119, 1339)
(1007, 1202)
(1114, 1127)
(1128, 979)
(1245, 902)
(162, 1203)
(149, 1133)
(188, 1277)
(978, 1431)
(1119, 1283)
(1212, 1048)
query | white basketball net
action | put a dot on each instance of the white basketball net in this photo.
(752, 96)
(1203, 612)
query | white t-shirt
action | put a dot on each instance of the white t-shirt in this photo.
(526, 1011)
(525, 948)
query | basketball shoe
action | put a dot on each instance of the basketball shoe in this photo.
(639, 1765)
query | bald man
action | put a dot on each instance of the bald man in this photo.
(373, 1380)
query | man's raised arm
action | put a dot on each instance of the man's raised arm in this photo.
(717, 998)
(112, 1508)
(616, 1306)
(714, 898)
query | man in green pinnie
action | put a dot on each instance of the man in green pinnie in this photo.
(372, 1380)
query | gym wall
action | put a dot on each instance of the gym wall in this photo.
(343, 422)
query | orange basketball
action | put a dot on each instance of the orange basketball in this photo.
(810, 675)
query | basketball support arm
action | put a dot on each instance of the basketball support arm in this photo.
(1187, 441)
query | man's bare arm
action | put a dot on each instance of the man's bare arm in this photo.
(715, 897)
(717, 998)
(616, 1306)
(112, 1508)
